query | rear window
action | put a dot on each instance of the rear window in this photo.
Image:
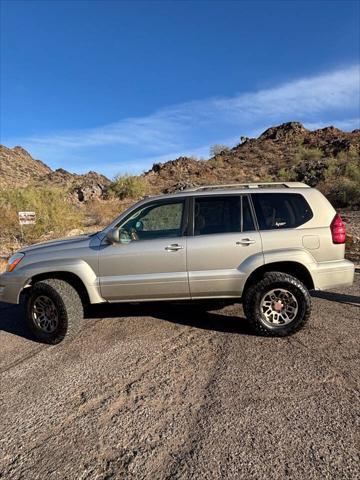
(281, 210)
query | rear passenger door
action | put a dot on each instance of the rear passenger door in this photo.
(224, 238)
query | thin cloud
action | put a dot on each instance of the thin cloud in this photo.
(347, 124)
(193, 126)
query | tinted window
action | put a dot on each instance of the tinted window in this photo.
(247, 219)
(217, 215)
(281, 210)
(154, 221)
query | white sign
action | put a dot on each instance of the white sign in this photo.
(27, 218)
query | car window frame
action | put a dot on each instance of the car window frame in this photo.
(184, 230)
(230, 194)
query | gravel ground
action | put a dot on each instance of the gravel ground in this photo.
(159, 392)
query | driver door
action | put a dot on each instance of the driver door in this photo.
(149, 262)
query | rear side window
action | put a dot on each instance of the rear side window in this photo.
(217, 215)
(281, 210)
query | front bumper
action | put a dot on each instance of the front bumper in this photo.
(327, 275)
(10, 289)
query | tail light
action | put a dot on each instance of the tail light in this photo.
(338, 230)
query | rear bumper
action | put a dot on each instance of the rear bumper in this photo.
(327, 275)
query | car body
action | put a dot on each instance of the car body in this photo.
(206, 243)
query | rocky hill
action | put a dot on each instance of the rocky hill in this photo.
(288, 150)
(285, 152)
(19, 169)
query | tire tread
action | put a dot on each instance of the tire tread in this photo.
(252, 312)
(70, 308)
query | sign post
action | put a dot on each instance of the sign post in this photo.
(26, 218)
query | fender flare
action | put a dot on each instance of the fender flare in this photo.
(77, 267)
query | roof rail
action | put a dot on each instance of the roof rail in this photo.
(251, 185)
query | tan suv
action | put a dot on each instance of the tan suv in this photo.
(264, 244)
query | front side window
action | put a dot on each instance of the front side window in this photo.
(281, 210)
(154, 221)
(217, 214)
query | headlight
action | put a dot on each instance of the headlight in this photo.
(13, 261)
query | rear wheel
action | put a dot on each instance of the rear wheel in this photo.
(278, 305)
(54, 311)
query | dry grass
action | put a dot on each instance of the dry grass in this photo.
(53, 212)
(100, 213)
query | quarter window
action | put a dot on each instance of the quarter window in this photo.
(281, 210)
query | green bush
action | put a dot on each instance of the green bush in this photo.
(127, 186)
(352, 171)
(332, 169)
(309, 155)
(53, 212)
(286, 175)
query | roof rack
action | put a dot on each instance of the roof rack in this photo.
(251, 185)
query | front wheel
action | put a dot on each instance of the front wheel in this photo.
(278, 305)
(54, 311)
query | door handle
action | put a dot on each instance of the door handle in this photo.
(245, 241)
(174, 247)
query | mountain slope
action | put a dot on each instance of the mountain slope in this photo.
(268, 157)
(19, 169)
(285, 152)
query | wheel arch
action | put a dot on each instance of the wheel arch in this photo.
(295, 269)
(69, 277)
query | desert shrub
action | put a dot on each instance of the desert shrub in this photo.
(217, 149)
(309, 155)
(352, 171)
(53, 212)
(286, 175)
(243, 140)
(128, 186)
(217, 161)
(102, 213)
(332, 169)
(344, 193)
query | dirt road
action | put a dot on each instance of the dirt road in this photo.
(160, 392)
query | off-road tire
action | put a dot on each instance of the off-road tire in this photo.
(245, 300)
(271, 280)
(69, 307)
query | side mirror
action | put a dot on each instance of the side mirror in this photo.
(113, 235)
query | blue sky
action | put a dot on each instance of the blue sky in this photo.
(114, 86)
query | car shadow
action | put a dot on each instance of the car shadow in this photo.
(181, 314)
(12, 317)
(337, 297)
(12, 320)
